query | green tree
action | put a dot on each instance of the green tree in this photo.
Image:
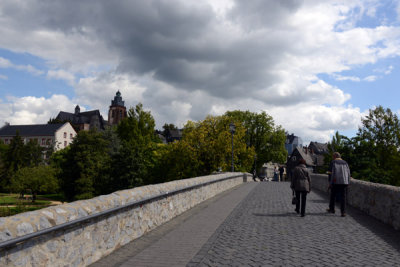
(133, 165)
(267, 139)
(377, 147)
(37, 179)
(14, 159)
(210, 141)
(175, 161)
(84, 167)
(168, 127)
(33, 153)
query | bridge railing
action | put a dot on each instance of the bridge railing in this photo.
(377, 200)
(81, 232)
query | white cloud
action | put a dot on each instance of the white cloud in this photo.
(385, 71)
(184, 60)
(316, 122)
(3, 77)
(371, 78)
(98, 91)
(389, 70)
(346, 78)
(33, 110)
(5, 63)
(61, 75)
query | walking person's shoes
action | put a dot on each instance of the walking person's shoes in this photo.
(297, 211)
(330, 211)
(302, 215)
(343, 215)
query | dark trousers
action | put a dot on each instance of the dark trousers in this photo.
(301, 201)
(338, 192)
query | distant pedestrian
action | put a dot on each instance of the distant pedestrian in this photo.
(301, 184)
(276, 173)
(339, 180)
(281, 171)
(254, 175)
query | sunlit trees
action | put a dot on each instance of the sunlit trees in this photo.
(373, 154)
(376, 147)
(261, 133)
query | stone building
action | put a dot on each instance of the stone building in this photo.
(117, 110)
(59, 135)
(318, 152)
(83, 120)
(297, 154)
(292, 142)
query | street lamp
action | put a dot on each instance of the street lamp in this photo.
(232, 129)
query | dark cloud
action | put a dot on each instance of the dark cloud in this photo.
(257, 14)
(180, 43)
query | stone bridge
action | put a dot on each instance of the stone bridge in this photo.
(219, 220)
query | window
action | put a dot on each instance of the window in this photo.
(65, 134)
(43, 141)
(120, 114)
(71, 136)
(113, 114)
(6, 141)
(65, 143)
(48, 141)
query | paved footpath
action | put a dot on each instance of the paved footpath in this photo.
(255, 225)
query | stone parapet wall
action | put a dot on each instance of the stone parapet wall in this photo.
(87, 242)
(377, 200)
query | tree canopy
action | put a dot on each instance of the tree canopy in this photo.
(373, 154)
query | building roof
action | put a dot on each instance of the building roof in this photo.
(175, 133)
(30, 130)
(81, 117)
(306, 156)
(293, 139)
(117, 100)
(319, 148)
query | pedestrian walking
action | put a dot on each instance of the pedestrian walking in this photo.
(276, 172)
(301, 184)
(281, 171)
(339, 180)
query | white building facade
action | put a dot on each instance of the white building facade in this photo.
(58, 135)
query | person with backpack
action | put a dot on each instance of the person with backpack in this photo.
(301, 184)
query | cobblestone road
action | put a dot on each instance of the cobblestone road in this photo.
(262, 229)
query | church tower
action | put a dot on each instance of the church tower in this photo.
(117, 110)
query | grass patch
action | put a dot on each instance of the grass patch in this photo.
(11, 204)
(6, 200)
(10, 211)
(54, 197)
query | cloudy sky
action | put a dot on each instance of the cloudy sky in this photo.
(316, 66)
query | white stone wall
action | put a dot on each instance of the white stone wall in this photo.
(377, 200)
(88, 242)
(60, 138)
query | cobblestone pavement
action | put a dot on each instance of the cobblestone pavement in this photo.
(176, 242)
(264, 230)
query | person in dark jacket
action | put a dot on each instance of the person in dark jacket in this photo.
(301, 184)
(339, 180)
(281, 171)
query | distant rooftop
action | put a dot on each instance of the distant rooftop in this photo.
(30, 130)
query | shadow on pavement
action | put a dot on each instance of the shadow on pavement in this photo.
(291, 214)
(384, 231)
(288, 214)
